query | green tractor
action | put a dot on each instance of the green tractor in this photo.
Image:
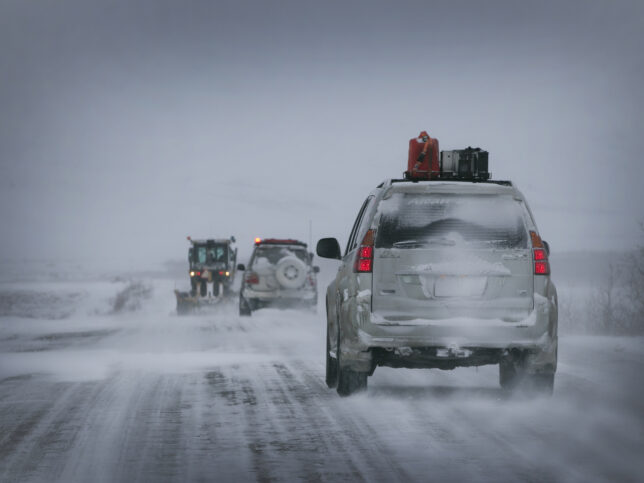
(212, 266)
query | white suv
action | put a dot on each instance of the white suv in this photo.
(442, 274)
(279, 274)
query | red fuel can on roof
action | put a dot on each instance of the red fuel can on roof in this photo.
(423, 158)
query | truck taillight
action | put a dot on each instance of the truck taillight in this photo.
(366, 252)
(364, 259)
(252, 278)
(365, 265)
(539, 254)
(541, 268)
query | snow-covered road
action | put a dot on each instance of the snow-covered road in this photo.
(91, 395)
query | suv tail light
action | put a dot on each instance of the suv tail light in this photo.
(252, 278)
(540, 255)
(364, 259)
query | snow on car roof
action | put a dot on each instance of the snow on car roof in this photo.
(280, 241)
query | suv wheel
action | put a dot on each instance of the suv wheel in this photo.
(203, 290)
(508, 377)
(513, 376)
(290, 272)
(244, 307)
(349, 382)
(542, 383)
(331, 365)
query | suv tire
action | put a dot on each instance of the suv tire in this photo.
(331, 365)
(508, 377)
(513, 377)
(543, 384)
(349, 382)
(244, 307)
(290, 272)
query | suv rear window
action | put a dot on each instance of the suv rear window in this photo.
(411, 220)
(273, 254)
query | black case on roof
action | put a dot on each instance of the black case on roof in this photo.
(468, 163)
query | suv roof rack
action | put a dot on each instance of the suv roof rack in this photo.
(459, 180)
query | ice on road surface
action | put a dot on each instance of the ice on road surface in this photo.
(88, 393)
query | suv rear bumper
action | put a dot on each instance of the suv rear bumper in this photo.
(274, 295)
(256, 299)
(449, 343)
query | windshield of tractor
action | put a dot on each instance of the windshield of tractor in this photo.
(209, 254)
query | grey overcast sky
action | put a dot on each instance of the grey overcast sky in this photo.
(127, 125)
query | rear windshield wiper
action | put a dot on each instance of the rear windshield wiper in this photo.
(424, 243)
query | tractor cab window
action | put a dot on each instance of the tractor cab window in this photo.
(209, 254)
(216, 254)
(200, 255)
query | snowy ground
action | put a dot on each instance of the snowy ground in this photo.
(90, 393)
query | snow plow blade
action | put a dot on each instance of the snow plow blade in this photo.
(187, 303)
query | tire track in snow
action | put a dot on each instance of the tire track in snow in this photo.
(450, 438)
(35, 456)
(132, 434)
(346, 435)
(292, 434)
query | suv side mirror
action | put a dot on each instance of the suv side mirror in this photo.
(547, 245)
(241, 267)
(329, 248)
(316, 269)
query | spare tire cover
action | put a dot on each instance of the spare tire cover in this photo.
(290, 272)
